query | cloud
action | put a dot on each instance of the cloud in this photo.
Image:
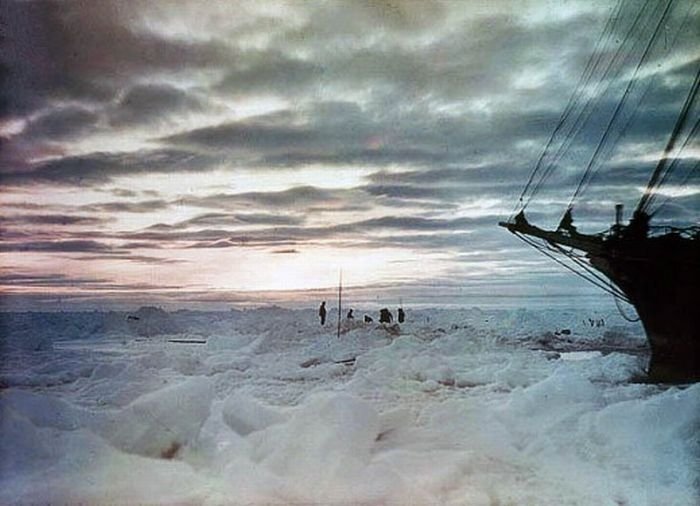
(143, 206)
(58, 280)
(85, 51)
(401, 191)
(311, 200)
(148, 103)
(237, 219)
(446, 105)
(343, 134)
(248, 135)
(489, 173)
(62, 123)
(298, 197)
(452, 99)
(90, 250)
(47, 280)
(270, 72)
(61, 246)
(413, 223)
(52, 219)
(123, 192)
(409, 231)
(388, 15)
(141, 259)
(100, 168)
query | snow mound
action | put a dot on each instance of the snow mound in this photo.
(44, 410)
(160, 423)
(152, 321)
(245, 414)
(327, 443)
(25, 341)
(44, 465)
(231, 342)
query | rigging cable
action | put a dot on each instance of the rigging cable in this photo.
(683, 182)
(620, 104)
(633, 114)
(568, 267)
(579, 105)
(587, 109)
(622, 313)
(676, 161)
(587, 267)
(583, 81)
(602, 286)
(660, 167)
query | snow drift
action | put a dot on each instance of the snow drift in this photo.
(461, 407)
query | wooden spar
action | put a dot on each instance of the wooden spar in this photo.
(340, 300)
(587, 243)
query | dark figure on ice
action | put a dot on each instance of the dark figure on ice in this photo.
(385, 316)
(350, 316)
(402, 315)
(322, 312)
(368, 319)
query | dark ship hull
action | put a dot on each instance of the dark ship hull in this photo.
(660, 277)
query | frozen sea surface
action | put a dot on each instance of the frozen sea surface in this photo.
(459, 407)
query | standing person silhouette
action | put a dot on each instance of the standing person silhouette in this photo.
(322, 312)
(402, 315)
(385, 316)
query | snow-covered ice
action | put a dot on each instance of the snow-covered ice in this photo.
(462, 407)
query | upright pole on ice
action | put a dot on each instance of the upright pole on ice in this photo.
(340, 300)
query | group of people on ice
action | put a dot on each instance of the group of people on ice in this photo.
(385, 315)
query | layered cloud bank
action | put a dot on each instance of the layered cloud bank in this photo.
(150, 146)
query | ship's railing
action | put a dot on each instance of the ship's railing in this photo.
(692, 232)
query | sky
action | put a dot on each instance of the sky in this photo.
(220, 153)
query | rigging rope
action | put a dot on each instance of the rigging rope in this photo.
(591, 272)
(683, 182)
(588, 107)
(622, 313)
(581, 105)
(633, 114)
(672, 168)
(583, 81)
(661, 166)
(677, 159)
(621, 103)
(541, 249)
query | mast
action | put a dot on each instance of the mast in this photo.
(340, 300)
